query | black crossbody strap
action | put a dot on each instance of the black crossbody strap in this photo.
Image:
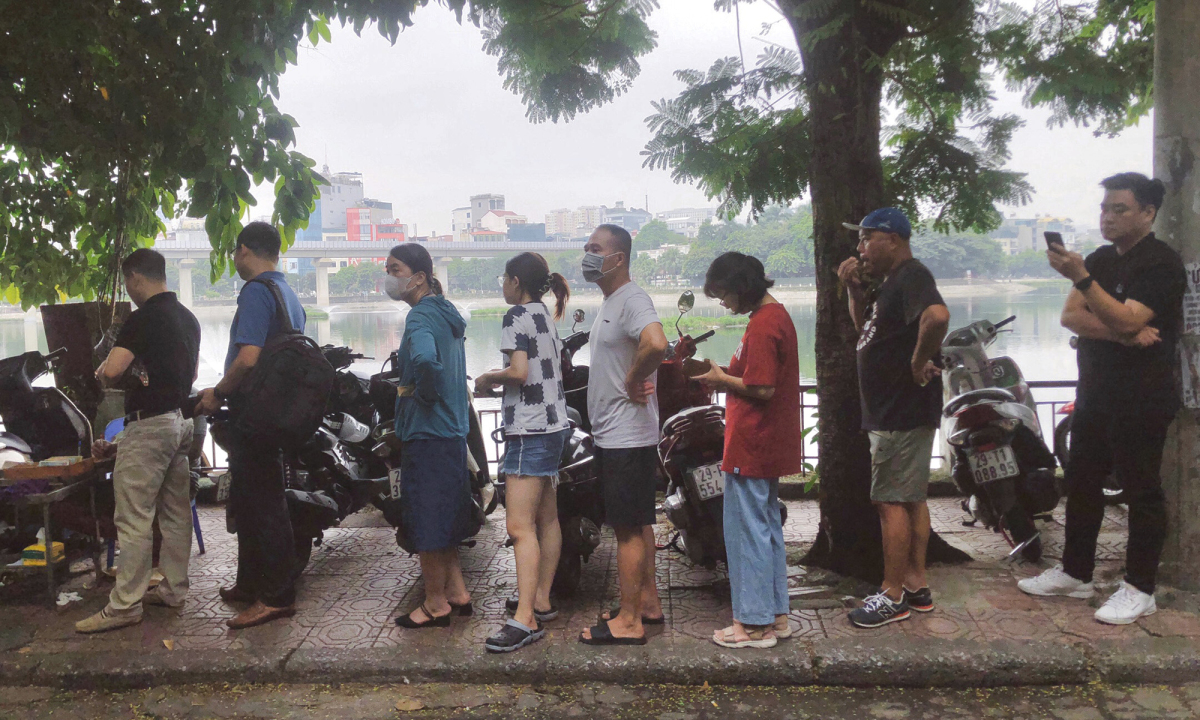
(285, 318)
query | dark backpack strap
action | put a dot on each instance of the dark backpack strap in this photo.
(285, 318)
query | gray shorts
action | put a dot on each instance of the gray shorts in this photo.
(900, 465)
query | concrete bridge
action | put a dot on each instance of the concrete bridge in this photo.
(187, 252)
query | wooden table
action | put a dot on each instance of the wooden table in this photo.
(68, 486)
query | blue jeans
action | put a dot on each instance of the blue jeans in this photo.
(757, 559)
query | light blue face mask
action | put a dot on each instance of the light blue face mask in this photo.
(593, 264)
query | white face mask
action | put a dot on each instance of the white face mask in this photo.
(395, 287)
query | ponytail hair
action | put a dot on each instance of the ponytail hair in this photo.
(533, 274)
(418, 260)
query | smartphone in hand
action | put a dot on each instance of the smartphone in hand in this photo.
(1053, 239)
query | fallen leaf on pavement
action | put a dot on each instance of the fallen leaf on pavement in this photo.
(169, 644)
(409, 704)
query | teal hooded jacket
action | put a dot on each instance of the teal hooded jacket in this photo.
(433, 363)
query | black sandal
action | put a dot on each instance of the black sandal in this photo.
(514, 636)
(542, 616)
(464, 610)
(660, 620)
(602, 635)
(407, 622)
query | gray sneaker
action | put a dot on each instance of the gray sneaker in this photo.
(879, 610)
(109, 619)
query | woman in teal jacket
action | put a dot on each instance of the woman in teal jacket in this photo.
(432, 422)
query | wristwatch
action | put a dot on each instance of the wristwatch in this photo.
(1085, 283)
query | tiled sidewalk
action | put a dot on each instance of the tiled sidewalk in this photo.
(359, 581)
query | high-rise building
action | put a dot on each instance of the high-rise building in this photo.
(560, 222)
(339, 193)
(586, 218)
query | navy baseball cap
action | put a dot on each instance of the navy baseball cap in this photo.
(886, 219)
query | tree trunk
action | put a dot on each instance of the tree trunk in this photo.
(844, 85)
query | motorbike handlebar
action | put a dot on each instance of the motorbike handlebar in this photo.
(705, 336)
(61, 352)
(1007, 321)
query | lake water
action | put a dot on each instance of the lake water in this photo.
(1037, 342)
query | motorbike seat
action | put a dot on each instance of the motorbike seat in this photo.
(701, 413)
(9, 441)
(975, 396)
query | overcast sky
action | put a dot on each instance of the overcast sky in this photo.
(428, 123)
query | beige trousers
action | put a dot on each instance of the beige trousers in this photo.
(152, 476)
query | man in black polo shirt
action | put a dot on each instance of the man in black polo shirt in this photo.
(1126, 308)
(154, 360)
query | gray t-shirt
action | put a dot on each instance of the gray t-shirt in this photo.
(616, 421)
(538, 406)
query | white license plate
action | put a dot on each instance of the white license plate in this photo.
(223, 482)
(997, 464)
(710, 481)
(394, 482)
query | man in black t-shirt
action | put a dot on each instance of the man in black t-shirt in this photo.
(154, 359)
(1126, 308)
(901, 322)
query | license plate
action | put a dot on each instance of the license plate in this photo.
(997, 464)
(394, 482)
(710, 481)
(223, 482)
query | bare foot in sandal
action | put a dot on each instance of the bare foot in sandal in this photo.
(738, 636)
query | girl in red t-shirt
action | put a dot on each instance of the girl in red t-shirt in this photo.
(762, 444)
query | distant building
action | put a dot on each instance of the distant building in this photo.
(629, 218)
(586, 218)
(686, 221)
(527, 232)
(500, 220)
(560, 222)
(460, 223)
(390, 231)
(343, 191)
(1018, 235)
(658, 252)
(481, 204)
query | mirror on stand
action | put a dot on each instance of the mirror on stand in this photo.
(687, 301)
(578, 316)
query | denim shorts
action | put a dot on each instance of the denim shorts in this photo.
(534, 455)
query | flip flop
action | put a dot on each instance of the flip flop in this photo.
(661, 620)
(601, 635)
(763, 641)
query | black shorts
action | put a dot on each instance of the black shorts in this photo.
(627, 478)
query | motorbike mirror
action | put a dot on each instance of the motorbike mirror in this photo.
(579, 315)
(687, 301)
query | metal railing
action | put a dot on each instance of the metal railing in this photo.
(1062, 392)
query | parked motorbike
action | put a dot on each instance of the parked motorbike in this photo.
(1113, 494)
(691, 450)
(999, 457)
(39, 422)
(580, 503)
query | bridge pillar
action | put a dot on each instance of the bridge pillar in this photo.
(441, 270)
(185, 282)
(322, 267)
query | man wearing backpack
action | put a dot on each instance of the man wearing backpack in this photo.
(266, 553)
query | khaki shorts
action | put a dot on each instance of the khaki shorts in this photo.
(900, 465)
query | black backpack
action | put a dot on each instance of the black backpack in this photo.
(285, 395)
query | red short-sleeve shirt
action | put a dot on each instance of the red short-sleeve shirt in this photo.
(762, 437)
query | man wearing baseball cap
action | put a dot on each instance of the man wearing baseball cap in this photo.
(901, 320)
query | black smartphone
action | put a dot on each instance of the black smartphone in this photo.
(1052, 239)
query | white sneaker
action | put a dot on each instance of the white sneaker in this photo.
(1126, 605)
(1056, 582)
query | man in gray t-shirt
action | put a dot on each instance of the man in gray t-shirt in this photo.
(628, 345)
